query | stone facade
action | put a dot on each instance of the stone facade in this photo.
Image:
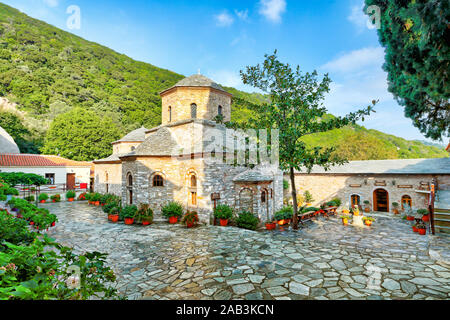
(179, 101)
(325, 187)
(108, 178)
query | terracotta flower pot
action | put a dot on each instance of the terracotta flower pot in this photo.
(396, 211)
(366, 210)
(53, 224)
(422, 232)
(281, 222)
(129, 221)
(53, 200)
(145, 223)
(189, 224)
(173, 220)
(368, 223)
(223, 222)
(109, 216)
(415, 229)
(410, 218)
(114, 217)
(70, 199)
(97, 203)
(270, 226)
(42, 201)
(426, 218)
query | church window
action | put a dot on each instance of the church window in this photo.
(170, 114)
(158, 181)
(193, 181)
(220, 110)
(193, 111)
(406, 202)
(193, 198)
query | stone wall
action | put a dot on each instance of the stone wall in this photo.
(206, 99)
(124, 147)
(108, 174)
(325, 187)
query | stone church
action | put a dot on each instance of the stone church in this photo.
(182, 159)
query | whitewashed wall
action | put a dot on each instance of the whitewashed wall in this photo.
(82, 174)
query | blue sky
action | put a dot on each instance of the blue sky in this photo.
(222, 37)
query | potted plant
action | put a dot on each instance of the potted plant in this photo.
(30, 198)
(190, 219)
(82, 196)
(270, 225)
(70, 195)
(108, 208)
(395, 206)
(56, 198)
(366, 206)
(345, 219)
(345, 210)
(95, 198)
(173, 210)
(223, 212)
(144, 214)
(414, 227)
(355, 210)
(425, 214)
(114, 214)
(284, 215)
(128, 213)
(247, 220)
(308, 198)
(43, 197)
(422, 229)
(368, 221)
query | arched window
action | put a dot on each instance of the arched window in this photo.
(158, 181)
(129, 180)
(170, 114)
(406, 202)
(355, 200)
(193, 111)
(220, 110)
(193, 181)
(263, 196)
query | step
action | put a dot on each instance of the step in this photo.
(442, 229)
(442, 222)
(441, 215)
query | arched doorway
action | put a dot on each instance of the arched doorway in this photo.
(380, 200)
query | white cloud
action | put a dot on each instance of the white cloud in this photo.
(356, 60)
(51, 3)
(224, 19)
(243, 14)
(272, 9)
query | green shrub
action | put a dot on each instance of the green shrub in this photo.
(337, 201)
(108, 207)
(247, 220)
(43, 196)
(284, 213)
(56, 198)
(12, 191)
(17, 178)
(70, 194)
(223, 211)
(30, 198)
(190, 217)
(285, 184)
(144, 214)
(172, 209)
(129, 211)
(308, 197)
(332, 203)
(423, 212)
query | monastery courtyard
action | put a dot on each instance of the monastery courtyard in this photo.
(323, 260)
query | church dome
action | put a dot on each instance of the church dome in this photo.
(7, 143)
(196, 80)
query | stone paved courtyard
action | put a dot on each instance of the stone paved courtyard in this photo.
(323, 260)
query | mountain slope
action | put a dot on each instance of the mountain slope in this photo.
(49, 72)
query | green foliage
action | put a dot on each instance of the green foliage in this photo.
(107, 208)
(308, 196)
(70, 194)
(285, 184)
(144, 214)
(337, 201)
(81, 135)
(43, 196)
(285, 213)
(223, 211)
(28, 140)
(17, 178)
(30, 198)
(247, 220)
(129, 211)
(172, 209)
(14, 230)
(417, 60)
(422, 212)
(56, 197)
(190, 217)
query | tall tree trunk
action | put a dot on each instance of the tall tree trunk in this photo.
(294, 198)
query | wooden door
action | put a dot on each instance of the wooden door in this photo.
(70, 181)
(381, 200)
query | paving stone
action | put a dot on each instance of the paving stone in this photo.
(298, 288)
(243, 288)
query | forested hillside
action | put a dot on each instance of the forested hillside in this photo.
(48, 73)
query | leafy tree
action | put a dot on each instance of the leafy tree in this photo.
(81, 135)
(24, 138)
(418, 60)
(296, 110)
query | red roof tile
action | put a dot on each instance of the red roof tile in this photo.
(36, 160)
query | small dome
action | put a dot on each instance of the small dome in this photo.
(196, 80)
(7, 143)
